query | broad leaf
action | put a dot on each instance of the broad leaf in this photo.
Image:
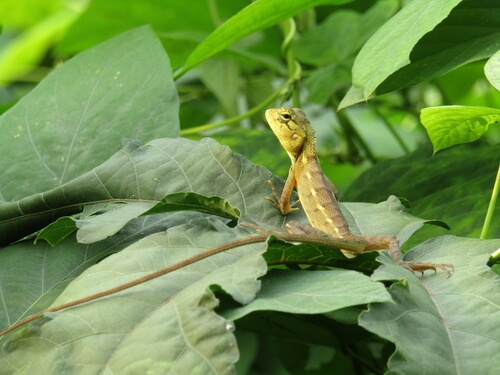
(304, 292)
(47, 270)
(77, 117)
(453, 125)
(452, 317)
(100, 225)
(389, 48)
(172, 314)
(147, 173)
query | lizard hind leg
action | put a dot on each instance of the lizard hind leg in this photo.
(392, 243)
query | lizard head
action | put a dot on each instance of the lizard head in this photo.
(291, 127)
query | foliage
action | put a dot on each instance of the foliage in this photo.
(80, 215)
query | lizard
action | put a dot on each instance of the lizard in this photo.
(318, 195)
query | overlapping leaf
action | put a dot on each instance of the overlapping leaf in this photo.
(77, 117)
(172, 316)
(452, 317)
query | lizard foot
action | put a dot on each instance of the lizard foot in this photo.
(278, 202)
(421, 267)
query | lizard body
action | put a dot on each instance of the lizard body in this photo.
(316, 193)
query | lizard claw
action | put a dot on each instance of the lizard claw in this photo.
(421, 267)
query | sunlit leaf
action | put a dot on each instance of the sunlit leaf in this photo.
(453, 125)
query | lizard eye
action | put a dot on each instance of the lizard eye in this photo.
(285, 117)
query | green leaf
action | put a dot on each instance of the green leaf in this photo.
(98, 227)
(50, 135)
(173, 313)
(180, 25)
(452, 186)
(57, 231)
(302, 292)
(149, 173)
(195, 202)
(453, 125)
(223, 78)
(389, 48)
(47, 270)
(424, 40)
(257, 16)
(25, 51)
(451, 316)
(288, 254)
(492, 70)
(342, 34)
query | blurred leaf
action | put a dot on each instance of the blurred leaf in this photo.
(222, 78)
(256, 16)
(21, 14)
(26, 50)
(324, 81)
(453, 186)
(453, 125)
(342, 34)
(174, 313)
(453, 316)
(51, 134)
(492, 70)
(405, 51)
(180, 25)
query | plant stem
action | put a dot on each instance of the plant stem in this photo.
(491, 206)
(251, 112)
(391, 129)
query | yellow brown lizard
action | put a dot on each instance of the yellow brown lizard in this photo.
(316, 193)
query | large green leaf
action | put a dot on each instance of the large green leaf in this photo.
(159, 167)
(102, 220)
(77, 117)
(425, 39)
(146, 174)
(452, 319)
(172, 316)
(453, 186)
(302, 292)
(48, 270)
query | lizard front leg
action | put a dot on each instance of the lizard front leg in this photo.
(282, 202)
